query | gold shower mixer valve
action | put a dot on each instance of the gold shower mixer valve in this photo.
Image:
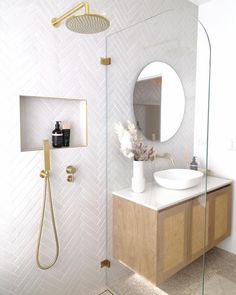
(71, 171)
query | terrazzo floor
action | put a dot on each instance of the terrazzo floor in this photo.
(220, 279)
(135, 285)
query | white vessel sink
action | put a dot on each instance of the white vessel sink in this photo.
(178, 178)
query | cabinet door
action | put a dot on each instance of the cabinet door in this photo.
(198, 228)
(219, 215)
(135, 237)
(172, 240)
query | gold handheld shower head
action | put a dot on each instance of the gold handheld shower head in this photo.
(46, 151)
(47, 199)
(86, 23)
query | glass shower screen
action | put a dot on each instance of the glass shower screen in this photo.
(158, 81)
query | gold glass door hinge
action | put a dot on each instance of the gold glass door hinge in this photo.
(105, 61)
(105, 263)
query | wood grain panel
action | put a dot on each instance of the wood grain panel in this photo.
(174, 241)
(199, 224)
(172, 237)
(134, 237)
(222, 218)
(221, 209)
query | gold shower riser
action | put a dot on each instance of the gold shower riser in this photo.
(106, 61)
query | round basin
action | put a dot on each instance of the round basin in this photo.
(178, 178)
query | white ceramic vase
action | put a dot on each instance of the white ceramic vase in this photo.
(138, 180)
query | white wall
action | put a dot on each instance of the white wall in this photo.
(219, 19)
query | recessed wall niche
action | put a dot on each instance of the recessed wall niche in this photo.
(38, 116)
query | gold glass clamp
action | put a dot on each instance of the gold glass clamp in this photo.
(106, 61)
(105, 263)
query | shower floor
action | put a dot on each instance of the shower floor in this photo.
(220, 279)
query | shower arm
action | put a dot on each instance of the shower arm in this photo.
(55, 21)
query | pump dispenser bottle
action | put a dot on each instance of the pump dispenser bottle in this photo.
(57, 136)
(193, 165)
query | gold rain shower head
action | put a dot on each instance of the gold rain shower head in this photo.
(86, 23)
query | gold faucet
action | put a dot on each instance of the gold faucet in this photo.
(166, 156)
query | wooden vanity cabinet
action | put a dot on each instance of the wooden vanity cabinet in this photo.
(157, 244)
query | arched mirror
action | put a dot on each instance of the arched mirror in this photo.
(158, 101)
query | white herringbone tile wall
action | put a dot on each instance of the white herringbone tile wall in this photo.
(39, 60)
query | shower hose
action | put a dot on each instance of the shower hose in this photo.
(47, 186)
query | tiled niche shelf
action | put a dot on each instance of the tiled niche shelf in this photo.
(38, 116)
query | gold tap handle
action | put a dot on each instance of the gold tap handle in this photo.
(46, 155)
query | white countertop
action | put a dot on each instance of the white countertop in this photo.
(158, 198)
